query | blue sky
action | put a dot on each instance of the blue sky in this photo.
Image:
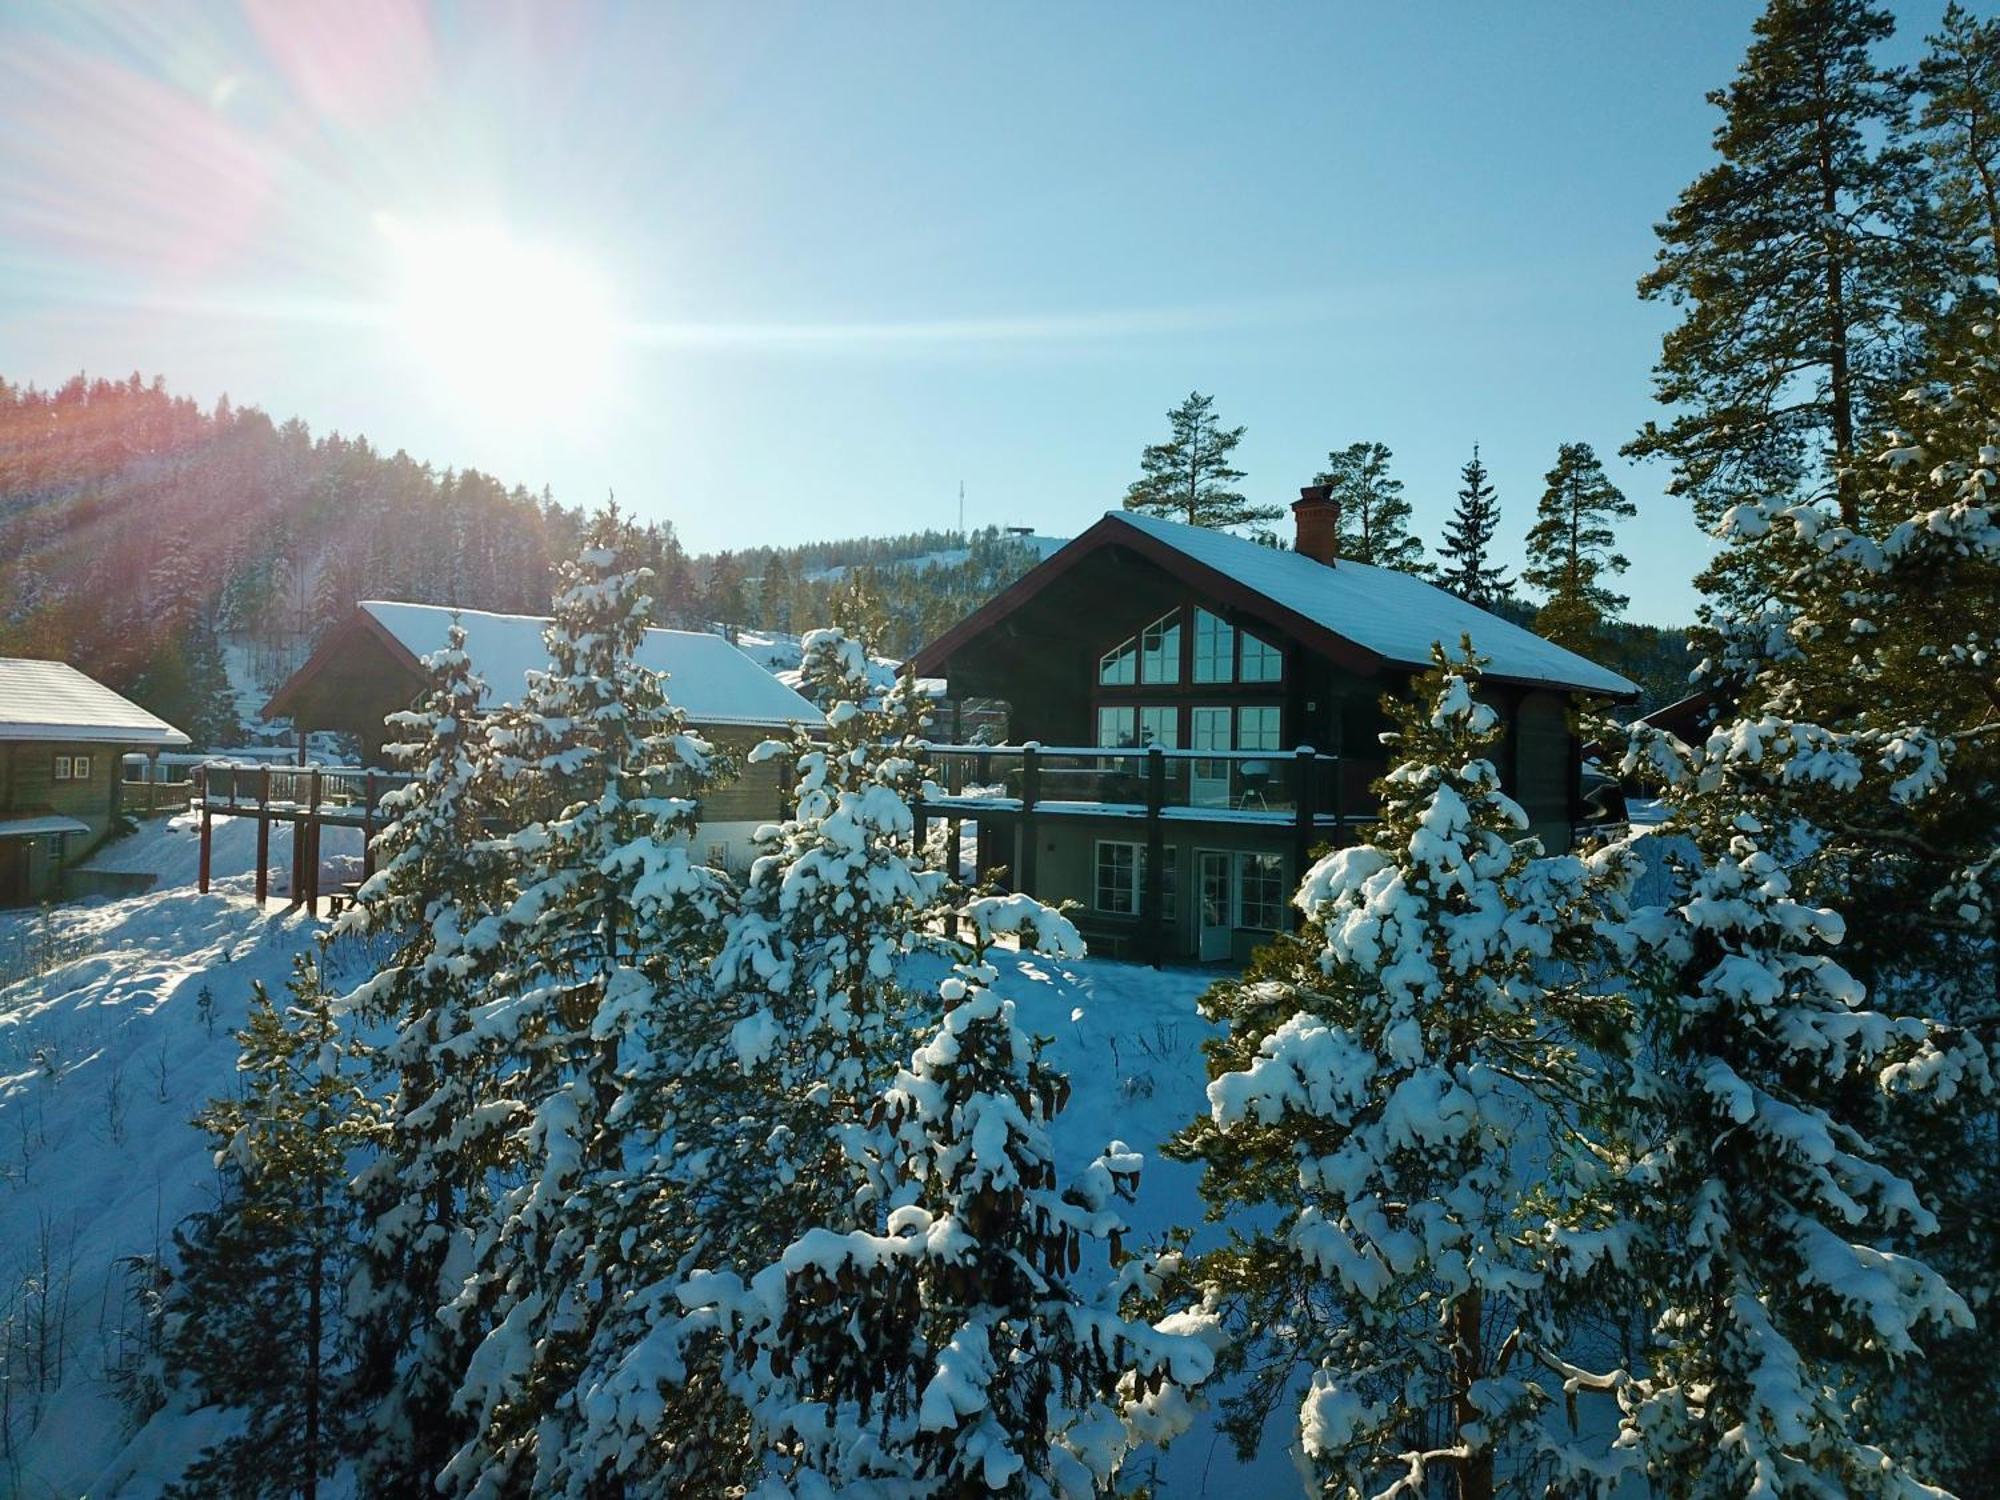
(786, 272)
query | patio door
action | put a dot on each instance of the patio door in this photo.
(1208, 780)
(1217, 918)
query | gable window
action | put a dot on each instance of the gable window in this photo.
(1118, 726)
(1160, 650)
(62, 768)
(1119, 886)
(1119, 667)
(1214, 648)
(1262, 662)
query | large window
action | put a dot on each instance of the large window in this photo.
(1119, 667)
(1257, 728)
(1160, 650)
(1214, 648)
(1118, 726)
(1262, 662)
(1120, 884)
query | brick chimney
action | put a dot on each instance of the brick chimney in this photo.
(1317, 516)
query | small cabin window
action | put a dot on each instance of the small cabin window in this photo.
(1160, 650)
(1119, 667)
(79, 768)
(1119, 883)
(1214, 648)
(62, 767)
(1262, 662)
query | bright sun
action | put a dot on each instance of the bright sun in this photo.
(517, 330)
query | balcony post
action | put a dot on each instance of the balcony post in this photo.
(1151, 899)
(312, 843)
(1031, 776)
(368, 825)
(1306, 763)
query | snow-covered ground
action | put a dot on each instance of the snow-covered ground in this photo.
(104, 1061)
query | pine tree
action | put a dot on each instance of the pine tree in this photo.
(1804, 258)
(1959, 79)
(1754, 1219)
(1863, 746)
(435, 892)
(601, 1008)
(1469, 536)
(1188, 478)
(944, 1348)
(774, 595)
(253, 1321)
(1374, 516)
(1570, 549)
(1394, 1090)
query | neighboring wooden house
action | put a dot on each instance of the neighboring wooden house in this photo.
(1258, 672)
(371, 666)
(63, 738)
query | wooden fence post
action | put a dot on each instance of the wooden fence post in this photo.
(368, 825)
(312, 843)
(1031, 777)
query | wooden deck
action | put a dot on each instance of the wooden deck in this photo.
(308, 798)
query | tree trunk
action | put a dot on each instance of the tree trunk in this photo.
(1475, 1471)
(315, 1275)
(1840, 382)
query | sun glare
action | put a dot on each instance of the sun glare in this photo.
(518, 330)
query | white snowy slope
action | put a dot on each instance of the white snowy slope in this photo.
(104, 1061)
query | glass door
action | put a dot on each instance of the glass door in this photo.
(1208, 780)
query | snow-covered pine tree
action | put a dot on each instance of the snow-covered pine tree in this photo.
(1188, 478)
(1863, 759)
(1751, 1215)
(943, 1347)
(252, 1320)
(1468, 539)
(1571, 547)
(1374, 516)
(438, 1137)
(600, 1006)
(1403, 1089)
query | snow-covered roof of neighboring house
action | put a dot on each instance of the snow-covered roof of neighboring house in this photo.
(51, 700)
(24, 828)
(1390, 615)
(712, 681)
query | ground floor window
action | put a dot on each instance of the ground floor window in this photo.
(1119, 886)
(1241, 890)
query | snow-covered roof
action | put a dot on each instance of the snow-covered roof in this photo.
(1392, 614)
(708, 677)
(22, 828)
(51, 700)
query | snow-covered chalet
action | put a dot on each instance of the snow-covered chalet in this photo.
(371, 666)
(1192, 714)
(63, 739)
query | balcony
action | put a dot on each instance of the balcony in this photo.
(1278, 788)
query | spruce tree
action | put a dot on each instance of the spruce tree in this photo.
(601, 1010)
(1188, 477)
(435, 893)
(1570, 549)
(1463, 567)
(944, 1347)
(1390, 1099)
(1374, 516)
(1804, 259)
(253, 1320)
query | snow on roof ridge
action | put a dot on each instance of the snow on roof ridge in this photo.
(52, 700)
(715, 684)
(1394, 614)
